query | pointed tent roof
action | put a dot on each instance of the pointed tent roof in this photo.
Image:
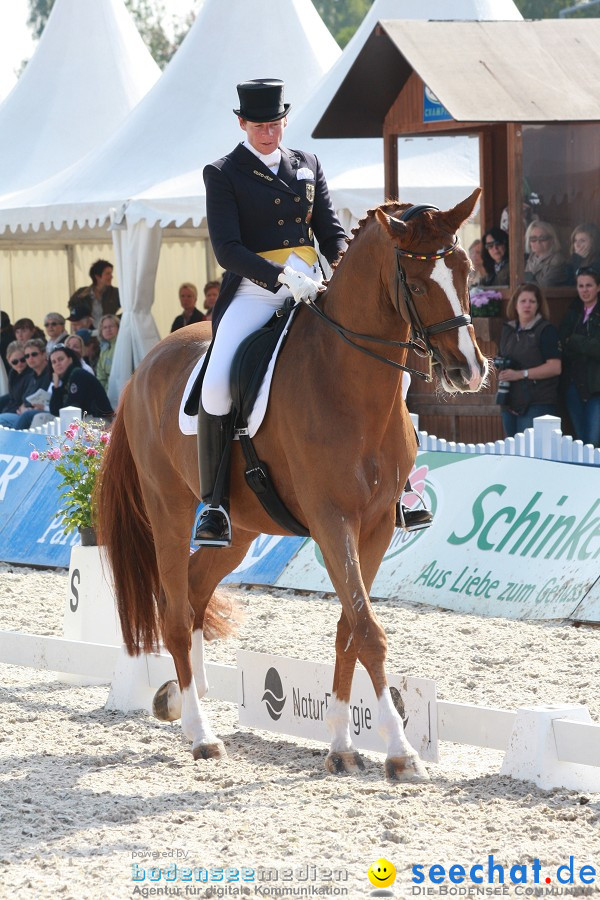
(430, 170)
(187, 119)
(89, 70)
(440, 169)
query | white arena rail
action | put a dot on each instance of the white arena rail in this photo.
(553, 746)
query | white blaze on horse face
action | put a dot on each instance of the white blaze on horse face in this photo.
(442, 275)
(338, 722)
(390, 727)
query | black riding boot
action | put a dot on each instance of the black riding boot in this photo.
(214, 455)
(412, 519)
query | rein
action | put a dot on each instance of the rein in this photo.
(419, 340)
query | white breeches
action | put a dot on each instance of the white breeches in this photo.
(250, 309)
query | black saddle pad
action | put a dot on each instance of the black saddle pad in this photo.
(252, 359)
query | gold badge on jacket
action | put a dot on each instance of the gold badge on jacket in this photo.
(310, 192)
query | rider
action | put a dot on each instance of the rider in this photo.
(265, 205)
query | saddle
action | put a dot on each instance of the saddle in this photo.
(248, 371)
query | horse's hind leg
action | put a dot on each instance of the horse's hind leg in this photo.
(207, 567)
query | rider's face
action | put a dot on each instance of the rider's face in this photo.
(265, 137)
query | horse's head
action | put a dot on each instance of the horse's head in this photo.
(429, 287)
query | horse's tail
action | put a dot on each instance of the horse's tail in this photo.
(124, 529)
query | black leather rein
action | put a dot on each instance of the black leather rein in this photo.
(419, 339)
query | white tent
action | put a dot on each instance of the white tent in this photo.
(89, 70)
(186, 121)
(152, 167)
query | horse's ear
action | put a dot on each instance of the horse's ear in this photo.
(394, 227)
(459, 214)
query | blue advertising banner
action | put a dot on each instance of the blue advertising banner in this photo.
(265, 560)
(30, 533)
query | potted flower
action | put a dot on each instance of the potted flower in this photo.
(485, 303)
(77, 456)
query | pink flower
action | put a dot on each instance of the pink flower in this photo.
(34, 455)
(91, 451)
(71, 432)
(54, 454)
(105, 437)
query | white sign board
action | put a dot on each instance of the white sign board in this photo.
(290, 696)
(512, 537)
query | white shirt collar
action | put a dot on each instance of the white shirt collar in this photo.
(270, 160)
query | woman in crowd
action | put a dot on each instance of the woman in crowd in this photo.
(75, 342)
(108, 330)
(71, 386)
(585, 247)
(530, 344)
(495, 257)
(580, 336)
(477, 273)
(188, 297)
(545, 264)
(17, 382)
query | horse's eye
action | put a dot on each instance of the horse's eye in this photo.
(415, 289)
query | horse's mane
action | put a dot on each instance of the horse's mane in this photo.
(420, 229)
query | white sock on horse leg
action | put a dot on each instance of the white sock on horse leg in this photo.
(338, 722)
(391, 728)
(194, 721)
(198, 667)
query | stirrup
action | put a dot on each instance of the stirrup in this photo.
(413, 519)
(213, 528)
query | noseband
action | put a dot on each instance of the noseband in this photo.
(419, 333)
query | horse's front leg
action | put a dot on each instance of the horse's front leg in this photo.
(361, 636)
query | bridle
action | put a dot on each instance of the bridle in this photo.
(405, 307)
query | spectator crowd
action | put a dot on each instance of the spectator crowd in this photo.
(68, 361)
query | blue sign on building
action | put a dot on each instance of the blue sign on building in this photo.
(433, 110)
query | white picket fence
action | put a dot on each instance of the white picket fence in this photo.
(544, 441)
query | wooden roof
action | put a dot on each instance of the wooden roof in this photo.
(542, 71)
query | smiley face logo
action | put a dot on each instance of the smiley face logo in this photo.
(382, 873)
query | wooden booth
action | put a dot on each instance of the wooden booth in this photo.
(529, 92)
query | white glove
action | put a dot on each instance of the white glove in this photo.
(302, 287)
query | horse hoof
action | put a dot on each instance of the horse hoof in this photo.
(166, 705)
(344, 763)
(216, 750)
(408, 769)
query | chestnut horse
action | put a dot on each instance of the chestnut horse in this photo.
(339, 443)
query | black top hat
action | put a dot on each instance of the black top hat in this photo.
(261, 100)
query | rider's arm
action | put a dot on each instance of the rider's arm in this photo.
(223, 218)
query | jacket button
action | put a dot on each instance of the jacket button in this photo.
(298, 220)
(302, 241)
(286, 243)
(280, 221)
(297, 199)
(277, 200)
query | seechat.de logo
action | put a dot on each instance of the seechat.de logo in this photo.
(273, 695)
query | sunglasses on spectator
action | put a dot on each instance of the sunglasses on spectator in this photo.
(538, 240)
(48, 324)
(489, 244)
(17, 360)
(29, 355)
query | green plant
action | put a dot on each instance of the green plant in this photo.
(76, 456)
